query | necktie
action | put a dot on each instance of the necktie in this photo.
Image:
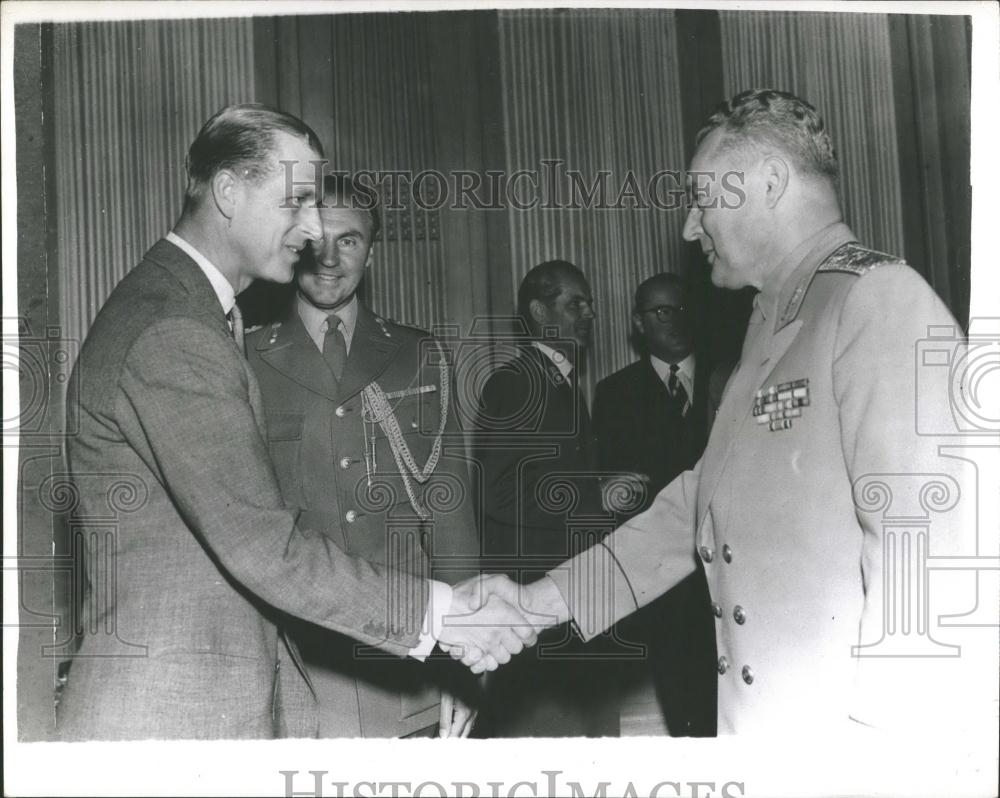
(334, 345)
(678, 395)
(236, 327)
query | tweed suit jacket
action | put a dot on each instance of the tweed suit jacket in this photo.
(204, 553)
(781, 510)
(321, 446)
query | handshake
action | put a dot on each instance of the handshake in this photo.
(492, 618)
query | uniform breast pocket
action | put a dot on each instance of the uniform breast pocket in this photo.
(418, 417)
(284, 441)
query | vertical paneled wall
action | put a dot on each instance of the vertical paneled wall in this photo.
(842, 64)
(370, 87)
(599, 91)
(129, 98)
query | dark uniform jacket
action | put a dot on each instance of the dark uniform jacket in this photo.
(638, 429)
(337, 470)
(540, 501)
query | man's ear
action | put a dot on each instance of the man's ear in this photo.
(776, 173)
(224, 190)
(539, 313)
(637, 324)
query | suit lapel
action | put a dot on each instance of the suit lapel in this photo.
(295, 355)
(372, 350)
(738, 404)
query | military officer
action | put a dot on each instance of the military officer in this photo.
(361, 430)
(820, 598)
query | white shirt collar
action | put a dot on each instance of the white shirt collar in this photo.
(315, 320)
(685, 371)
(222, 287)
(561, 361)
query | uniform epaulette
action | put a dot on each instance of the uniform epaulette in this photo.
(253, 329)
(852, 258)
(388, 325)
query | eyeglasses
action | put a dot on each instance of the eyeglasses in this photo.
(665, 313)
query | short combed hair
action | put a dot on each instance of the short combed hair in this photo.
(544, 282)
(240, 138)
(770, 117)
(663, 280)
(344, 191)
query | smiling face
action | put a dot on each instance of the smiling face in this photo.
(725, 216)
(329, 276)
(273, 219)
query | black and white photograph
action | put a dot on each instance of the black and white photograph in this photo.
(506, 399)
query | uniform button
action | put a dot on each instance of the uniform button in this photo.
(747, 674)
(345, 463)
(707, 554)
(716, 609)
(340, 412)
(723, 665)
(277, 666)
(350, 516)
(727, 553)
(739, 614)
(413, 425)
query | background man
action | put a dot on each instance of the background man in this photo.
(165, 401)
(535, 448)
(652, 418)
(352, 399)
(817, 427)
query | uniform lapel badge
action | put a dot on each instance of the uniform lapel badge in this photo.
(381, 323)
(274, 332)
(777, 405)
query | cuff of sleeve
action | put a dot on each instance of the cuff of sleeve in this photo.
(595, 589)
(438, 605)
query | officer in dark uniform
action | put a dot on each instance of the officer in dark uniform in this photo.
(361, 432)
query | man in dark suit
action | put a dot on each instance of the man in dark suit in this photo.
(364, 441)
(199, 552)
(540, 500)
(651, 418)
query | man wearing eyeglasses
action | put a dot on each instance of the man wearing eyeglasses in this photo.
(651, 419)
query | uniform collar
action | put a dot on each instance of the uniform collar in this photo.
(781, 298)
(558, 358)
(222, 287)
(314, 319)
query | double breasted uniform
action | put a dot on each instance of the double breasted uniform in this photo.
(350, 458)
(787, 507)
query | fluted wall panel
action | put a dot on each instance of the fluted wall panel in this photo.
(842, 64)
(599, 90)
(129, 98)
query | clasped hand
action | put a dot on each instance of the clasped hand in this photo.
(488, 623)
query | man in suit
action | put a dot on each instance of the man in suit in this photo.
(651, 419)
(199, 554)
(362, 434)
(816, 457)
(540, 500)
